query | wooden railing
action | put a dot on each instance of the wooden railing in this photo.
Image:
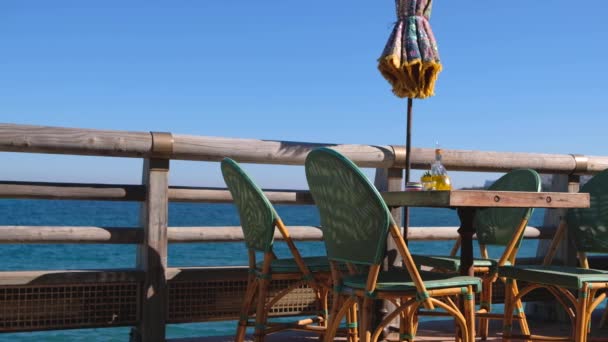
(156, 293)
(37, 139)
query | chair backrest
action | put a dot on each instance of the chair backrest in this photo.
(495, 226)
(256, 213)
(589, 226)
(354, 218)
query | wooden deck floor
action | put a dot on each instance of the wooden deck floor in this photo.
(437, 331)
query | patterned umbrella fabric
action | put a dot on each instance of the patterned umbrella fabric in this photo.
(410, 61)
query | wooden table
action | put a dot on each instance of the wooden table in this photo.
(468, 201)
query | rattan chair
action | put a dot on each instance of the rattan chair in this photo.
(578, 289)
(356, 223)
(503, 227)
(258, 221)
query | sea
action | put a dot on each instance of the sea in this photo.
(125, 214)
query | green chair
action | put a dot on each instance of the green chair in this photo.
(258, 221)
(356, 224)
(578, 289)
(503, 227)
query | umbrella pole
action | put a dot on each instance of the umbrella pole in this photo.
(408, 165)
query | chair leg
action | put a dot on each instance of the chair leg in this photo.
(464, 307)
(343, 308)
(462, 329)
(510, 294)
(409, 326)
(349, 318)
(351, 323)
(486, 299)
(402, 323)
(260, 315)
(321, 294)
(523, 322)
(469, 313)
(581, 315)
(365, 332)
(324, 306)
(246, 309)
(331, 326)
(415, 325)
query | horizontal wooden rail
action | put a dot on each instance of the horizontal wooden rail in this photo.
(12, 278)
(102, 276)
(120, 192)
(221, 195)
(70, 234)
(118, 235)
(59, 140)
(39, 139)
(72, 191)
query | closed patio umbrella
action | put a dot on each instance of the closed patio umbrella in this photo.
(410, 60)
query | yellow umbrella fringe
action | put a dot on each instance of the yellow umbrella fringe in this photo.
(390, 68)
(413, 79)
(401, 81)
(429, 74)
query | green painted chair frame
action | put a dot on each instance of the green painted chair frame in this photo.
(587, 228)
(356, 224)
(258, 220)
(495, 227)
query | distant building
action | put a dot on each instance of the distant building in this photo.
(547, 179)
(488, 183)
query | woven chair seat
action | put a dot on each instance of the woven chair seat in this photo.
(402, 282)
(569, 277)
(452, 264)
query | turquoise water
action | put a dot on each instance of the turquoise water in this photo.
(125, 214)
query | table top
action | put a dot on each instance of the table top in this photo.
(486, 198)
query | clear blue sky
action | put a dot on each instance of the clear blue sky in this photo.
(518, 75)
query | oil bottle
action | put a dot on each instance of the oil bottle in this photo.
(439, 174)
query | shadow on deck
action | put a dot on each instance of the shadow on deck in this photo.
(437, 331)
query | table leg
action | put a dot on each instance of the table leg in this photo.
(466, 231)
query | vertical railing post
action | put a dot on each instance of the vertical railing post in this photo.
(152, 253)
(389, 180)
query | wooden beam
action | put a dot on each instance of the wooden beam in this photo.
(66, 234)
(61, 140)
(223, 273)
(39, 139)
(127, 235)
(222, 195)
(61, 277)
(486, 198)
(235, 234)
(152, 253)
(45, 190)
(188, 147)
(122, 192)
